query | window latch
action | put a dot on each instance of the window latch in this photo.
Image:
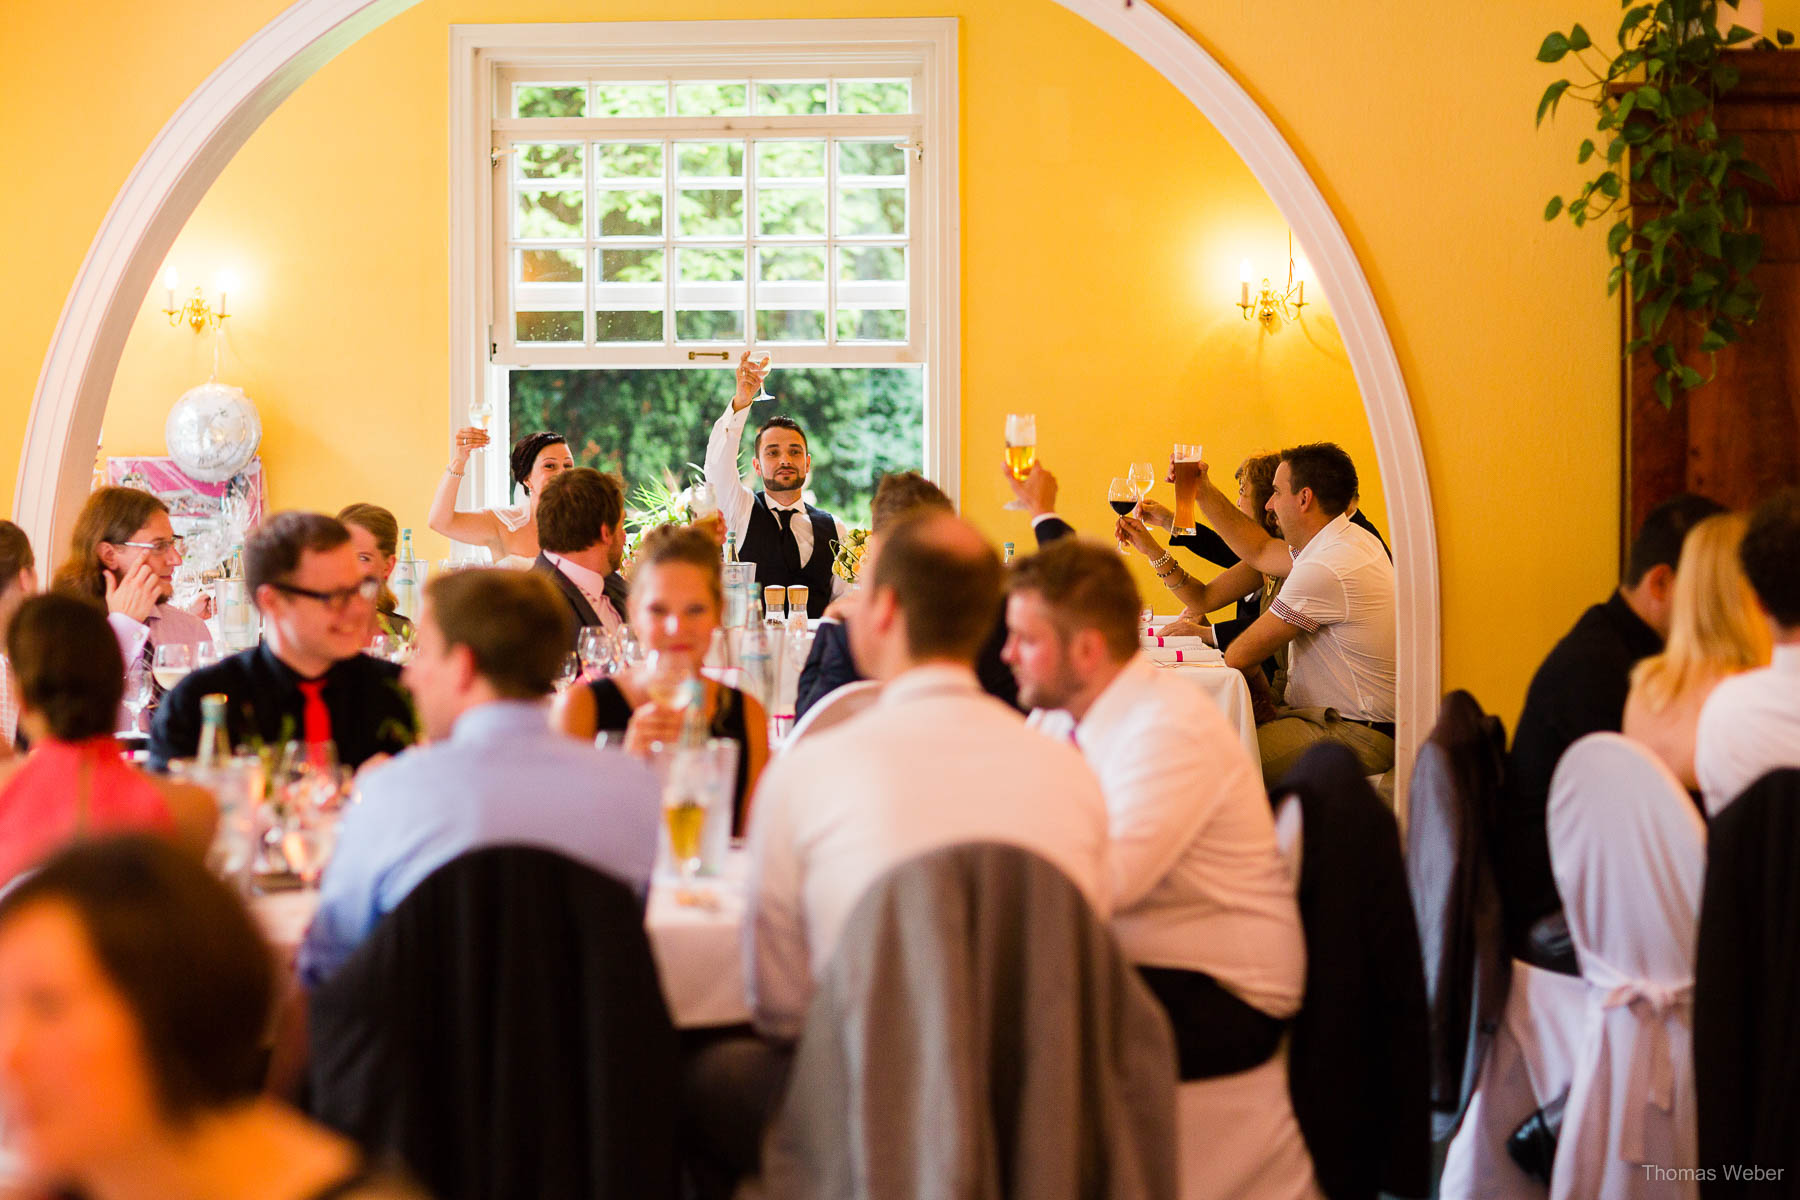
(721, 355)
(496, 154)
(918, 149)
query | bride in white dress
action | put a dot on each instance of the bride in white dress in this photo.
(509, 534)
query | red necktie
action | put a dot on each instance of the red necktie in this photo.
(315, 719)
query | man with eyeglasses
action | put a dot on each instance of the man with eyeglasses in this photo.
(307, 681)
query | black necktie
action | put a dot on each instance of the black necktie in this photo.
(790, 549)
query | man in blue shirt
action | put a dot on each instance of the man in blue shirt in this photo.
(490, 645)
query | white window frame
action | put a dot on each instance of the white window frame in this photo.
(924, 49)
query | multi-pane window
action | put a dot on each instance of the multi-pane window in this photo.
(653, 221)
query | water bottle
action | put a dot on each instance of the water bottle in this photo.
(756, 657)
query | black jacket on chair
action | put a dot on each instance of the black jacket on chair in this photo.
(1453, 808)
(1747, 989)
(503, 1033)
(1358, 1065)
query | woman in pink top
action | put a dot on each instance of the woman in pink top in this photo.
(73, 783)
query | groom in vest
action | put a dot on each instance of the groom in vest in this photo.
(788, 539)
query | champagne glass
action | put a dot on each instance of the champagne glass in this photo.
(666, 678)
(1143, 477)
(481, 412)
(1123, 497)
(137, 696)
(172, 664)
(1021, 449)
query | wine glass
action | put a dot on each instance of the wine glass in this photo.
(761, 364)
(570, 672)
(626, 652)
(137, 696)
(171, 664)
(1143, 477)
(595, 648)
(481, 412)
(1123, 497)
(666, 679)
(1021, 449)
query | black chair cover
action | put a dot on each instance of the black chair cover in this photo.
(1358, 1065)
(503, 1033)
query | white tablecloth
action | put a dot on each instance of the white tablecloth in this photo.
(696, 948)
(1228, 690)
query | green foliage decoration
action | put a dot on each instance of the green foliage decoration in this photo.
(1659, 148)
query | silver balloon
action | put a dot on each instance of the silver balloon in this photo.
(213, 432)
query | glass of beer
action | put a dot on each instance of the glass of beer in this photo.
(1186, 464)
(1021, 449)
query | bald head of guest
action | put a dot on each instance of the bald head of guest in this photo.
(933, 598)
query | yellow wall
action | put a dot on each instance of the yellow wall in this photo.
(1415, 124)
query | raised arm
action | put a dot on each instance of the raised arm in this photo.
(1247, 539)
(722, 448)
(1231, 585)
(473, 528)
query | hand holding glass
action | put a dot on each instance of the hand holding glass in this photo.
(1184, 464)
(1123, 498)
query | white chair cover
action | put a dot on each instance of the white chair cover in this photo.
(1629, 851)
(1530, 1063)
(834, 708)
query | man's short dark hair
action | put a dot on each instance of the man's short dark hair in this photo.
(578, 508)
(1327, 470)
(273, 549)
(904, 493)
(781, 422)
(1086, 586)
(1770, 553)
(1659, 538)
(948, 586)
(514, 623)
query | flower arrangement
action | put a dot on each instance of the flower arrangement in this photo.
(847, 556)
(662, 501)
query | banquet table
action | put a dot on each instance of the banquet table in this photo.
(1195, 662)
(696, 947)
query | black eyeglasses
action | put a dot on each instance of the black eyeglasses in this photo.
(338, 600)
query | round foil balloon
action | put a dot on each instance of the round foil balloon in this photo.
(213, 432)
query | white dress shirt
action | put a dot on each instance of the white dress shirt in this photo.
(1340, 595)
(1197, 880)
(592, 585)
(1749, 727)
(936, 762)
(736, 500)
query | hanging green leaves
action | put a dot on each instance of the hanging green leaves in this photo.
(1692, 250)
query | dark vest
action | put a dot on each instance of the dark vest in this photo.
(762, 541)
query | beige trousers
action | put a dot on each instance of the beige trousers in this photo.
(1283, 740)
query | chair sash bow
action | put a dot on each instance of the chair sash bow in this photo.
(1650, 1087)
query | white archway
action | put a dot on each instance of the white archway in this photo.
(192, 149)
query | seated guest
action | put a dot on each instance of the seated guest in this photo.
(123, 554)
(829, 665)
(495, 773)
(307, 680)
(1716, 630)
(1334, 611)
(74, 783)
(934, 763)
(788, 539)
(1751, 723)
(1201, 898)
(676, 603)
(509, 535)
(134, 995)
(376, 535)
(581, 527)
(18, 579)
(1581, 689)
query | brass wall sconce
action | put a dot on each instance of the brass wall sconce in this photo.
(195, 311)
(1266, 304)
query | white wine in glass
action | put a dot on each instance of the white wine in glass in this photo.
(1021, 449)
(1142, 478)
(480, 413)
(172, 664)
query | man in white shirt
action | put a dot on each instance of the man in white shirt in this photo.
(1335, 610)
(581, 539)
(1201, 898)
(936, 762)
(789, 540)
(1751, 723)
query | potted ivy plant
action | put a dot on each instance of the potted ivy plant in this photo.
(1688, 257)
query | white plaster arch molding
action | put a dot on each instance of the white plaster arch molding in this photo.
(167, 184)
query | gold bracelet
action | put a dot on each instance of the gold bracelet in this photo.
(1171, 575)
(448, 471)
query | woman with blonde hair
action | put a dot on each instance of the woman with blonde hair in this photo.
(1715, 630)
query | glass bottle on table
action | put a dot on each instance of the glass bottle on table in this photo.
(215, 741)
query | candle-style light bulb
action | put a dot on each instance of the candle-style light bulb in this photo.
(1244, 283)
(227, 285)
(170, 282)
